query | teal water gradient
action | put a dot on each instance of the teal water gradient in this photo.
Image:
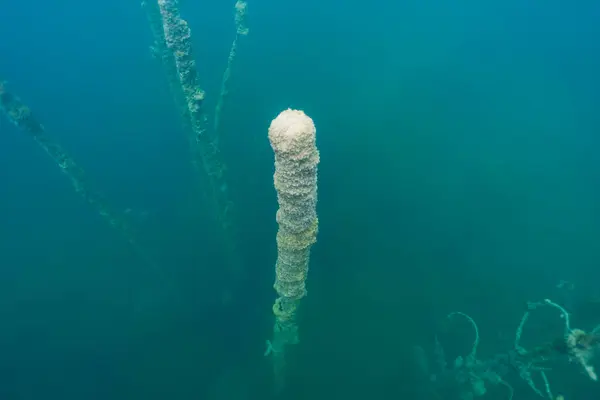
(459, 172)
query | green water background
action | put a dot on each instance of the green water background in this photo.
(459, 172)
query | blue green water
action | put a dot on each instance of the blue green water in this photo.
(459, 172)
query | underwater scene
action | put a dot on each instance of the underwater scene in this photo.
(319, 199)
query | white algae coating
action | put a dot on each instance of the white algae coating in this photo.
(292, 137)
